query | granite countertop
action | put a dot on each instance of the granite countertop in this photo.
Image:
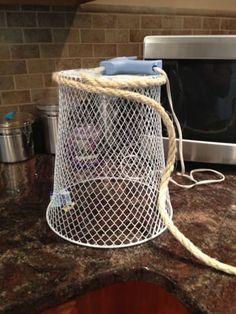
(38, 269)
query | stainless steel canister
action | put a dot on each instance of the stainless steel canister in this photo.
(49, 117)
(16, 137)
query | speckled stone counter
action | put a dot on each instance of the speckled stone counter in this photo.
(39, 270)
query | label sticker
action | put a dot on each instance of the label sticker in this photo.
(62, 199)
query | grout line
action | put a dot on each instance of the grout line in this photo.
(40, 51)
(93, 51)
(44, 81)
(5, 18)
(52, 32)
(10, 52)
(36, 18)
(23, 35)
(14, 81)
(221, 22)
(31, 96)
(27, 66)
(201, 23)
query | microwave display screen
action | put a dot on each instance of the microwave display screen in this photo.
(204, 98)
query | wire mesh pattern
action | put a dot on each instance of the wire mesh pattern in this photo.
(109, 163)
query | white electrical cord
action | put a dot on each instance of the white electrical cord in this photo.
(181, 158)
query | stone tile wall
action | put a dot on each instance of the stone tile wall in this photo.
(38, 40)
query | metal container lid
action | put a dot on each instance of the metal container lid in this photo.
(48, 108)
(14, 120)
(48, 104)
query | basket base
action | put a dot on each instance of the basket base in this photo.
(108, 213)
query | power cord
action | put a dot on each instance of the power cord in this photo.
(181, 158)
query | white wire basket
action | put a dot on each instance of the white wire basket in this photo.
(109, 163)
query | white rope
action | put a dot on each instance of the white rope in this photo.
(99, 87)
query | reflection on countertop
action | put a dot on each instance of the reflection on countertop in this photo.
(38, 269)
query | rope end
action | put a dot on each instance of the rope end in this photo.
(56, 77)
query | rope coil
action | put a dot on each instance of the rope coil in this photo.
(101, 85)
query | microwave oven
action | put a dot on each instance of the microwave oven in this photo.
(202, 74)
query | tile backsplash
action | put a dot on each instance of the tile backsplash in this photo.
(38, 40)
